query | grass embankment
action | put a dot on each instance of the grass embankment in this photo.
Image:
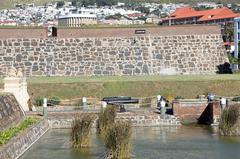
(6, 135)
(187, 86)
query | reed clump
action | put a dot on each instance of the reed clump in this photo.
(118, 141)
(80, 134)
(106, 119)
(228, 123)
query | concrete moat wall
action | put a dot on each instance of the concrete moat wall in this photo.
(161, 50)
(19, 144)
(10, 111)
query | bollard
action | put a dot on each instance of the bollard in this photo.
(163, 108)
(158, 100)
(84, 102)
(45, 107)
(104, 104)
(223, 102)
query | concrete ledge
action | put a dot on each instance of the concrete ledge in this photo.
(22, 142)
(137, 120)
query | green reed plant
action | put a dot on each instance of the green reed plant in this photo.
(106, 119)
(80, 134)
(118, 141)
(229, 118)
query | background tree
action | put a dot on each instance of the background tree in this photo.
(92, 2)
(60, 4)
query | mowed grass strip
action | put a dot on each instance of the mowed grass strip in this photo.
(187, 86)
(227, 77)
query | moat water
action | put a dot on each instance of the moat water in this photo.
(185, 142)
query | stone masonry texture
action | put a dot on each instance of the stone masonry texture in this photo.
(193, 50)
(10, 111)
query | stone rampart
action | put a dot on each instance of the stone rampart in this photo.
(10, 111)
(180, 52)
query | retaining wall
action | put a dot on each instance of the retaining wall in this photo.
(19, 144)
(137, 120)
(197, 110)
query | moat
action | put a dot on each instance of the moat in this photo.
(188, 142)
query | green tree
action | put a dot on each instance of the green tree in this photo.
(143, 9)
(88, 2)
(60, 4)
(92, 2)
(106, 2)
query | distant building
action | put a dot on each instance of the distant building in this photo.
(134, 16)
(76, 20)
(188, 15)
(122, 21)
(8, 23)
(152, 18)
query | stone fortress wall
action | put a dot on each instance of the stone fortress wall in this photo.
(115, 51)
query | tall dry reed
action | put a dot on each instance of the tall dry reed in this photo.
(106, 119)
(80, 134)
(118, 141)
(228, 121)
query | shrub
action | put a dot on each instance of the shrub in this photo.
(106, 119)
(80, 134)
(6, 135)
(118, 141)
(236, 99)
(38, 101)
(169, 98)
(228, 121)
(53, 101)
(178, 97)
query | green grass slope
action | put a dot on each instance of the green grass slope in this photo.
(188, 86)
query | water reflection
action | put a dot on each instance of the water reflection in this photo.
(185, 142)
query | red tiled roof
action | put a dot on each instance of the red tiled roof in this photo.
(205, 15)
(7, 21)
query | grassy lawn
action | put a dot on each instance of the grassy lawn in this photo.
(187, 86)
(173, 78)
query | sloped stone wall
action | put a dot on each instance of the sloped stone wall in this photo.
(10, 111)
(135, 55)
